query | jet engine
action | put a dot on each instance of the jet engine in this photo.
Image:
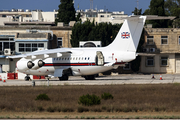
(25, 64)
(37, 64)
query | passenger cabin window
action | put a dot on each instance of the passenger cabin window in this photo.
(150, 40)
(164, 40)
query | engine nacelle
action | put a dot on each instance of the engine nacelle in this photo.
(24, 65)
(37, 64)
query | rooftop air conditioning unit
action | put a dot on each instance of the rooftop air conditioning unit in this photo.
(7, 51)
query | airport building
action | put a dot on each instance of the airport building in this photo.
(163, 45)
(21, 17)
(16, 40)
(39, 17)
(100, 16)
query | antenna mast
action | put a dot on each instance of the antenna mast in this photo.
(137, 6)
(91, 4)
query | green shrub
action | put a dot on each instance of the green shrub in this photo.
(50, 109)
(96, 110)
(40, 108)
(42, 97)
(89, 100)
(82, 109)
(67, 110)
(106, 96)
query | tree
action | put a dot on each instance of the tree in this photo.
(88, 31)
(78, 18)
(157, 8)
(173, 9)
(80, 32)
(66, 12)
(137, 11)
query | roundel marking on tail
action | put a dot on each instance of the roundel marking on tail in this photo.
(125, 35)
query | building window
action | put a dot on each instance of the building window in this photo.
(55, 15)
(6, 45)
(102, 16)
(164, 61)
(30, 47)
(59, 40)
(150, 61)
(164, 40)
(179, 40)
(3, 15)
(150, 40)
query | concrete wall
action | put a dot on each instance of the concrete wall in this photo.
(6, 19)
(5, 64)
(157, 68)
(66, 36)
(48, 16)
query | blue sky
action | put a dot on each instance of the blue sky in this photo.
(49, 5)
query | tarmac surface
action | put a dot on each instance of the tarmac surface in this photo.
(102, 80)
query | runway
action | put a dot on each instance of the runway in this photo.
(102, 80)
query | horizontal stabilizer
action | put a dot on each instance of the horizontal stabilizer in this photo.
(145, 54)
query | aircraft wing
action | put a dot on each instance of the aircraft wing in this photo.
(42, 54)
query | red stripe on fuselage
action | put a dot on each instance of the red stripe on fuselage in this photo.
(69, 64)
(77, 64)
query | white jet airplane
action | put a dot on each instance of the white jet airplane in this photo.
(86, 62)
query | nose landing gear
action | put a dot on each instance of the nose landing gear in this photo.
(27, 78)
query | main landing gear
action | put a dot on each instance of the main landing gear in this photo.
(89, 77)
(64, 78)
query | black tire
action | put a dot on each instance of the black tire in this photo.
(27, 78)
(64, 78)
(89, 77)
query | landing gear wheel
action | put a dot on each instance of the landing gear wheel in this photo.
(89, 77)
(64, 78)
(27, 78)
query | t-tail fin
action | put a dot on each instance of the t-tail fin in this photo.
(128, 37)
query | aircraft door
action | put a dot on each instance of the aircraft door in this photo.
(99, 58)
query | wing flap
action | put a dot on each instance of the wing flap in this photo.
(58, 72)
